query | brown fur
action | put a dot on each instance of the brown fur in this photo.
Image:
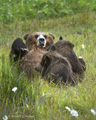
(32, 59)
(61, 64)
(56, 68)
(65, 48)
(32, 41)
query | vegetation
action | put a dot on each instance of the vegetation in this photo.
(37, 99)
(13, 10)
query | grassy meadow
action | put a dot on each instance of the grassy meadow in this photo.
(37, 99)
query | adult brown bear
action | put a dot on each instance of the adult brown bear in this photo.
(32, 50)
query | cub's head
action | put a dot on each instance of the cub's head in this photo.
(39, 39)
(51, 60)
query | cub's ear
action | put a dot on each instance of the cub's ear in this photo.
(26, 35)
(52, 36)
(60, 38)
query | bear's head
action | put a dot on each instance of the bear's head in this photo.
(39, 39)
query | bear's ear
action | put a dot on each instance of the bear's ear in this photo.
(60, 38)
(52, 36)
(26, 35)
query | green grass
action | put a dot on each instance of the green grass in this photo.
(13, 10)
(28, 100)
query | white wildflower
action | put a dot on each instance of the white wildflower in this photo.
(80, 56)
(67, 108)
(34, 5)
(14, 89)
(83, 46)
(11, 15)
(5, 117)
(93, 111)
(43, 94)
(30, 9)
(74, 113)
(46, 94)
(27, 105)
(8, 5)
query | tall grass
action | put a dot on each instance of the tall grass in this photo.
(37, 99)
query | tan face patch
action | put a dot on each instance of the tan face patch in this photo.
(38, 39)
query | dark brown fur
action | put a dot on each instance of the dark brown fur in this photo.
(61, 63)
(57, 68)
(65, 48)
(18, 50)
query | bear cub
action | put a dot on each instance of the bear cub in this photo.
(18, 50)
(56, 68)
(61, 64)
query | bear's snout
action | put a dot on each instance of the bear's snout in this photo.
(42, 40)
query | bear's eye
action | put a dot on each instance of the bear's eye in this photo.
(36, 36)
(45, 36)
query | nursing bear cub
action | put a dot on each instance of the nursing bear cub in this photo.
(61, 64)
(56, 68)
(31, 52)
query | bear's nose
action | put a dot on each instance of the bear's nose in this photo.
(41, 39)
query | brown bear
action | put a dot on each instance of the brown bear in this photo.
(65, 48)
(36, 43)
